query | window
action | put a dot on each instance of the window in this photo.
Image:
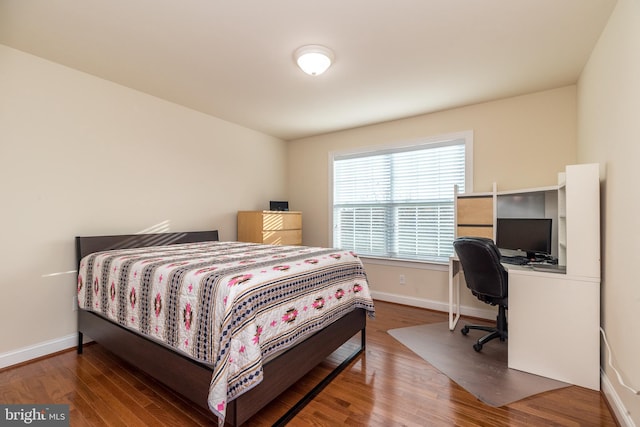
(397, 201)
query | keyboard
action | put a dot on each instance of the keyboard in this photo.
(515, 260)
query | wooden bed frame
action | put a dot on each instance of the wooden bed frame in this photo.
(191, 378)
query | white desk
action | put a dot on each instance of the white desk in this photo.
(554, 323)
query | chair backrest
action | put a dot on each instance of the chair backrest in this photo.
(483, 272)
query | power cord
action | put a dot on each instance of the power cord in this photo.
(620, 380)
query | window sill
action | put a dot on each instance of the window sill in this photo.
(408, 263)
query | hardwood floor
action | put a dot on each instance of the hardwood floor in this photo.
(388, 386)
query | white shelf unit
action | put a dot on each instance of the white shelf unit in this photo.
(573, 205)
(476, 214)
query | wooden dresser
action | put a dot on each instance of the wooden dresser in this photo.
(270, 227)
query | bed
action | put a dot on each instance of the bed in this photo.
(251, 376)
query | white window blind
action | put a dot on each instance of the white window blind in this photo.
(398, 203)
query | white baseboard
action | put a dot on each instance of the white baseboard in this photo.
(433, 305)
(620, 412)
(37, 350)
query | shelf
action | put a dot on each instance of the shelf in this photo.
(475, 195)
(528, 190)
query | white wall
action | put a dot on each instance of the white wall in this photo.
(609, 134)
(83, 156)
(520, 142)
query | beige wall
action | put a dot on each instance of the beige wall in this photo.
(80, 156)
(608, 133)
(519, 142)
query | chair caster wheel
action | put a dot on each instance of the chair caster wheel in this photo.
(477, 347)
(464, 330)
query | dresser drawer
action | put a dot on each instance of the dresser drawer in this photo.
(283, 237)
(281, 221)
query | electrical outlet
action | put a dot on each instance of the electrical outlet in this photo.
(402, 279)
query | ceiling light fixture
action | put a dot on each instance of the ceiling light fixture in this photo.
(313, 59)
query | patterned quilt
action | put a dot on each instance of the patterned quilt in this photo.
(228, 304)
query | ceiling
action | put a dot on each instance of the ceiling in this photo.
(393, 59)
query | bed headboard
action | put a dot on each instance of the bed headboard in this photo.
(89, 244)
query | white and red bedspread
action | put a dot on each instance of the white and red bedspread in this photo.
(228, 304)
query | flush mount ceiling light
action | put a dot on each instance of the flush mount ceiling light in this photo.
(313, 59)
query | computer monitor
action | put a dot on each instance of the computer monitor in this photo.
(531, 235)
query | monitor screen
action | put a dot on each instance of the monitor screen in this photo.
(525, 234)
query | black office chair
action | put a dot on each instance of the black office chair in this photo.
(488, 281)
